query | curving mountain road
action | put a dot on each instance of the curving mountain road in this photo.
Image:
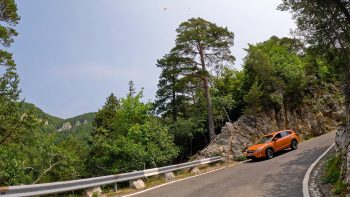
(280, 176)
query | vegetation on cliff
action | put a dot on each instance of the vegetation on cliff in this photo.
(325, 27)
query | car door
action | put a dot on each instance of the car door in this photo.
(286, 139)
(278, 142)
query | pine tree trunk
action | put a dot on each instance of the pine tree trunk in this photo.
(347, 105)
(346, 91)
(207, 97)
(209, 109)
(174, 105)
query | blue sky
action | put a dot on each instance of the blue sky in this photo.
(72, 54)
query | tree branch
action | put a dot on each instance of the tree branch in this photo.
(343, 9)
(47, 170)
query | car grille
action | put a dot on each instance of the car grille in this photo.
(250, 151)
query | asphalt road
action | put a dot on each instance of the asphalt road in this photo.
(280, 176)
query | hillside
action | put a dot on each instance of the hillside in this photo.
(77, 123)
(51, 120)
(321, 111)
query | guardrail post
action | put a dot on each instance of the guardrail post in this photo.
(115, 187)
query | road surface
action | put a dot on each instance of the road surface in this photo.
(280, 176)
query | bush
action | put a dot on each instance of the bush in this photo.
(332, 175)
(339, 187)
(332, 170)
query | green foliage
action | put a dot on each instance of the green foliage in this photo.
(128, 137)
(94, 194)
(340, 187)
(332, 174)
(253, 97)
(279, 69)
(187, 133)
(38, 158)
(200, 48)
(29, 108)
(332, 170)
(227, 88)
(156, 141)
(172, 91)
(205, 47)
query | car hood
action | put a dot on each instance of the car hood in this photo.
(256, 146)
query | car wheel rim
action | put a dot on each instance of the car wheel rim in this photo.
(295, 145)
(269, 154)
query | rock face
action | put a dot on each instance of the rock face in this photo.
(314, 116)
(66, 126)
(342, 142)
(77, 123)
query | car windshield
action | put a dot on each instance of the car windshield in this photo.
(265, 139)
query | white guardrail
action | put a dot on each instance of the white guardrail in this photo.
(65, 186)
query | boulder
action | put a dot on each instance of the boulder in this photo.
(93, 192)
(194, 170)
(138, 184)
(169, 176)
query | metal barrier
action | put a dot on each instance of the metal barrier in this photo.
(65, 186)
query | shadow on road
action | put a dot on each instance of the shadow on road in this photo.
(275, 156)
(288, 177)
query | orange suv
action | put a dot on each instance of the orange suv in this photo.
(271, 143)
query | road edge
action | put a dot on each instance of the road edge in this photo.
(306, 192)
(164, 184)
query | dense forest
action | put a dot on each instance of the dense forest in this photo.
(198, 92)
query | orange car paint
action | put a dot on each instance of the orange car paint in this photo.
(276, 144)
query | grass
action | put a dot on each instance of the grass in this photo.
(332, 175)
(159, 180)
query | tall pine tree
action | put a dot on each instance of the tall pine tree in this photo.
(206, 47)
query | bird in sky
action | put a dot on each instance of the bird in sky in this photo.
(165, 9)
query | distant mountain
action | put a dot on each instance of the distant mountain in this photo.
(84, 120)
(52, 120)
(78, 123)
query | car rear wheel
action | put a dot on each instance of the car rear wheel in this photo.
(294, 144)
(269, 153)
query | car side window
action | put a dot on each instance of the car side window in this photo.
(284, 133)
(278, 136)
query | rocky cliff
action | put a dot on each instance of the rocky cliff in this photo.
(316, 115)
(67, 126)
(342, 142)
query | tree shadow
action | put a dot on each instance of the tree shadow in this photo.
(287, 180)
